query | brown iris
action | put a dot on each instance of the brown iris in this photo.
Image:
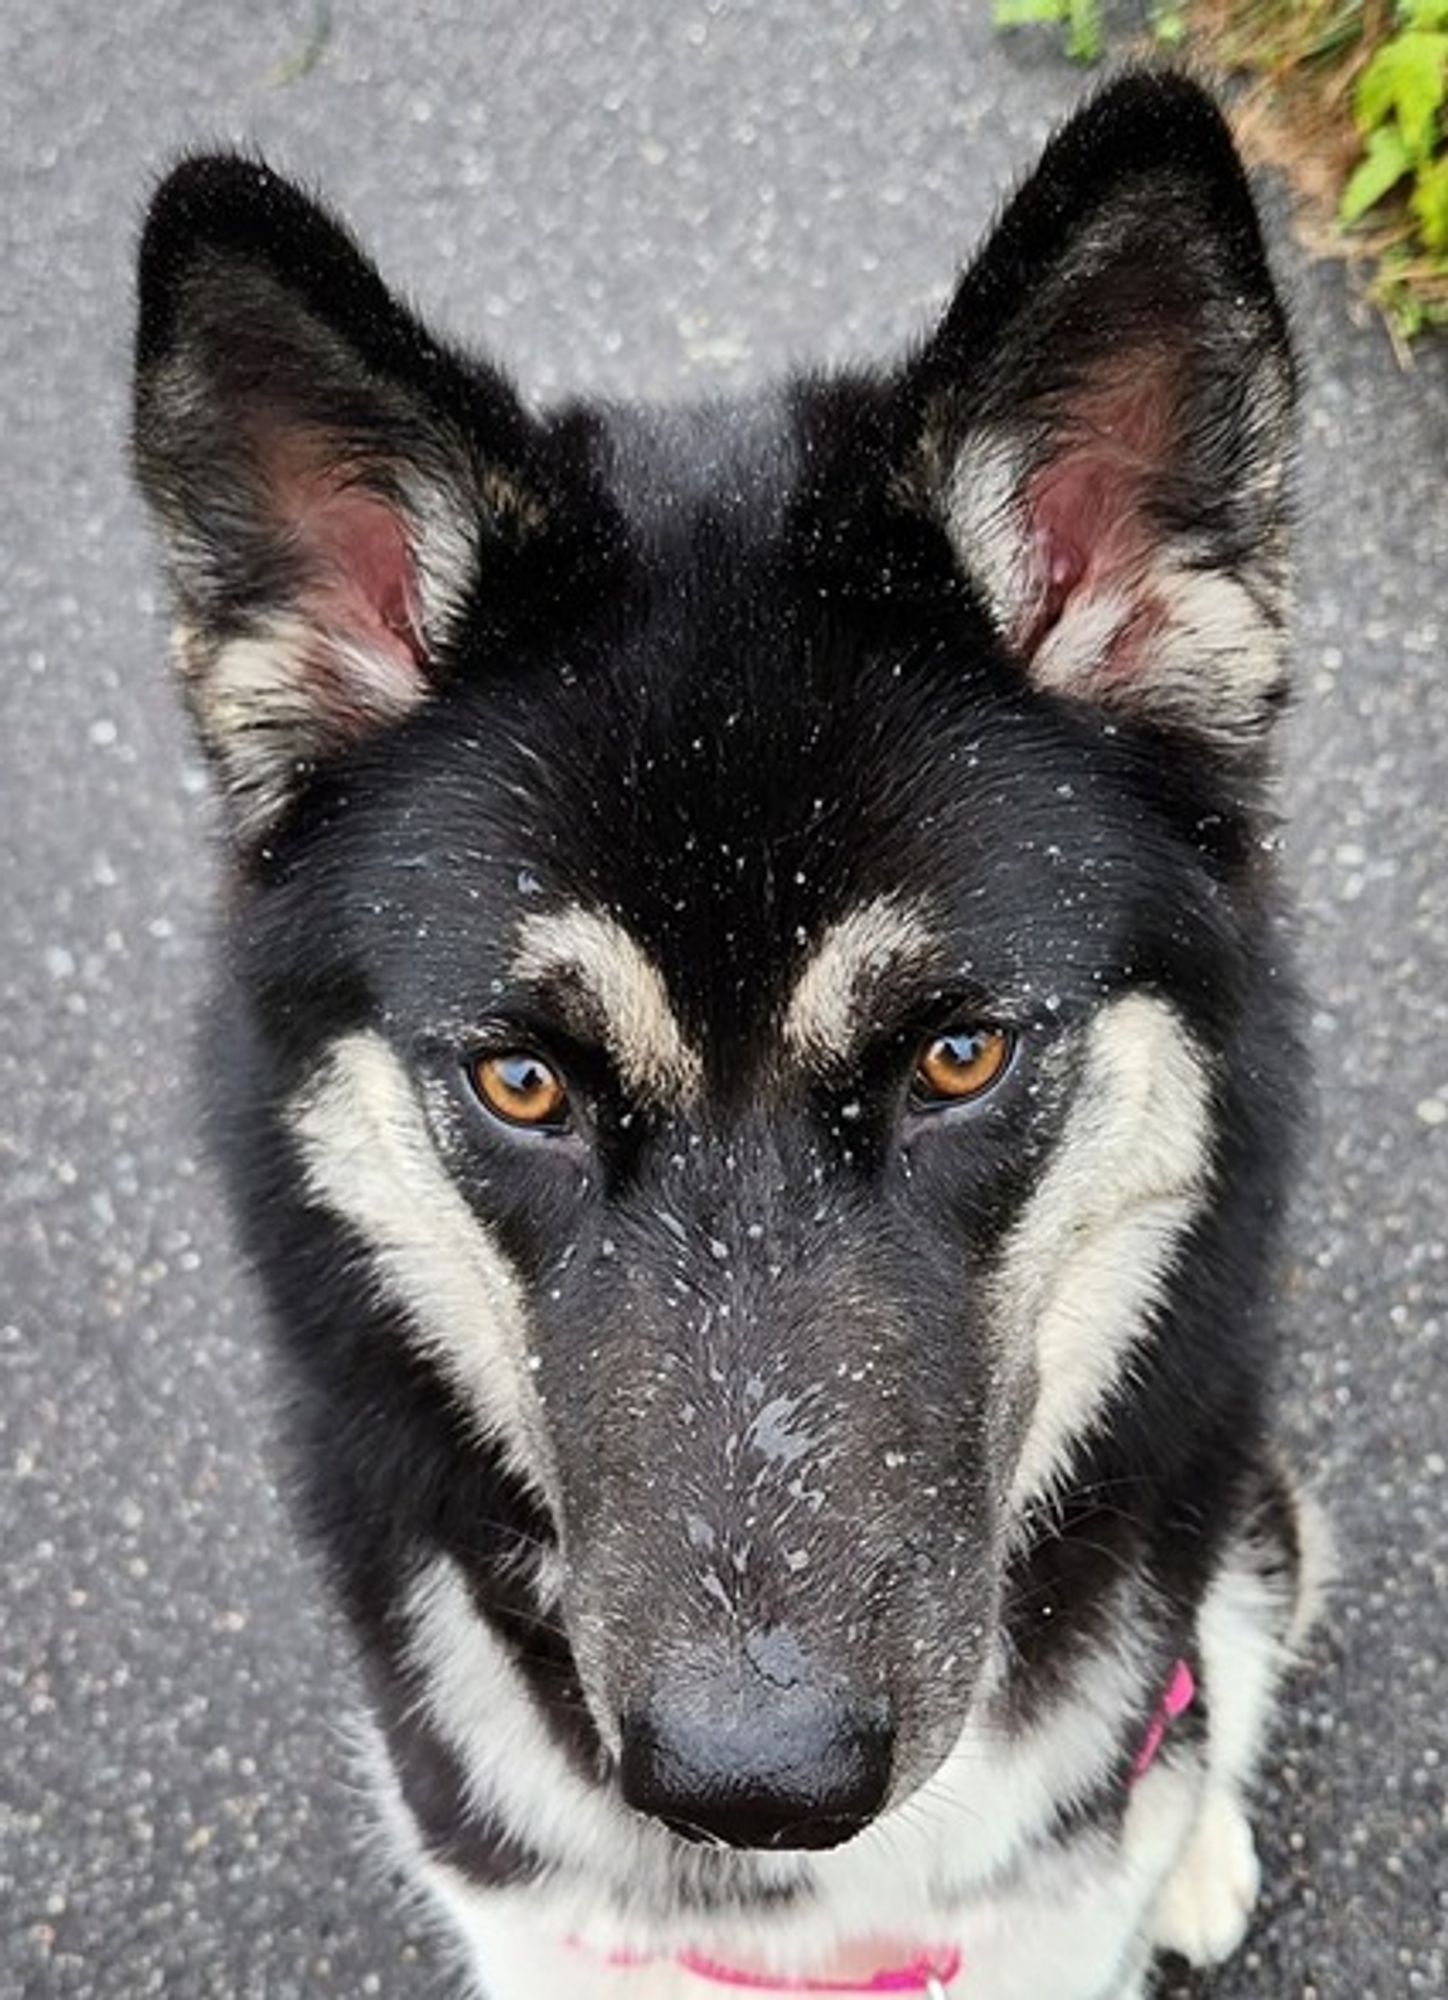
(965, 1063)
(520, 1088)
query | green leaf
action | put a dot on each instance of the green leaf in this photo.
(1026, 13)
(1407, 78)
(1384, 165)
(1169, 24)
(1429, 203)
(1085, 41)
(1080, 18)
(1408, 314)
(1425, 13)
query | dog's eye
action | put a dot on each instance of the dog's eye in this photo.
(963, 1064)
(521, 1089)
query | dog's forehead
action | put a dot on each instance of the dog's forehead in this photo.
(739, 816)
(736, 461)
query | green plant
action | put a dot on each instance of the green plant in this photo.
(1352, 99)
(1085, 36)
(1398, 108)
(1083, 24)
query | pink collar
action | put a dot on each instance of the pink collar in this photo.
(931, 1972)
(929, 1975)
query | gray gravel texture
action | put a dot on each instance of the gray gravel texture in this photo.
(648, 197)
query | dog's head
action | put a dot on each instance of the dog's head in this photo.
(745, 912)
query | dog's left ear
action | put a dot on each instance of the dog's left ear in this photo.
(1104, 416)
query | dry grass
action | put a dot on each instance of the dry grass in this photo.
(1304, 59)
(1369, 165)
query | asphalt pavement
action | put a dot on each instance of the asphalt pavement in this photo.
(651, 198)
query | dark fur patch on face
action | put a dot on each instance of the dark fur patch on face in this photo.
(974, 655)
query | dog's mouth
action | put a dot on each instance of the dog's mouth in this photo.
(813, 1834)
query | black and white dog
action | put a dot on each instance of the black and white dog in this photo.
(760, 1080)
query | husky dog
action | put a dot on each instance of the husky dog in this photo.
(759, 1079)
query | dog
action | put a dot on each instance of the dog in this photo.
(756, 1064)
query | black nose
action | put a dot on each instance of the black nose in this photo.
(786, 1768)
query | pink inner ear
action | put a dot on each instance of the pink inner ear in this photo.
(361, 582)
(366, 576)
(1091, 534)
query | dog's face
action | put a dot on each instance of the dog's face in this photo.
(744, 909)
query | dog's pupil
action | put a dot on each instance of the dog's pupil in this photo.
(962, 1063)
(525, 1077)
(961, 1050)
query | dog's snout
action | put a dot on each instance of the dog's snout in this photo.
(784, 1768)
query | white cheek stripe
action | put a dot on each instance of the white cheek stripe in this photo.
(829, 1004)
(368, 1157)
(477, 1701)
(1087, 1259)
(640, 1026)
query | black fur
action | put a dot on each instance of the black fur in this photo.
(724, 674)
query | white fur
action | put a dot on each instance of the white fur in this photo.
(1206, 1906)
(983, 517)
(1216, 661)
(1085, 1262)
(480, 1705)
(256, 706)
(639, 1024)
(368, 1156)
(829, 1004)
(441, 515)
(1248, 1626)
(1317, 1566)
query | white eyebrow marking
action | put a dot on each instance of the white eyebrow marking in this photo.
(823, 1016)
(640, 1028)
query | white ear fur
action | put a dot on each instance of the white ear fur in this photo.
(257, 706)
(346, 651)
(1104, 592)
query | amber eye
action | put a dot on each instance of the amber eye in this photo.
(963, 1064)
(521, 1089)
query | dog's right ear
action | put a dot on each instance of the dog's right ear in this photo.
(329, 479)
